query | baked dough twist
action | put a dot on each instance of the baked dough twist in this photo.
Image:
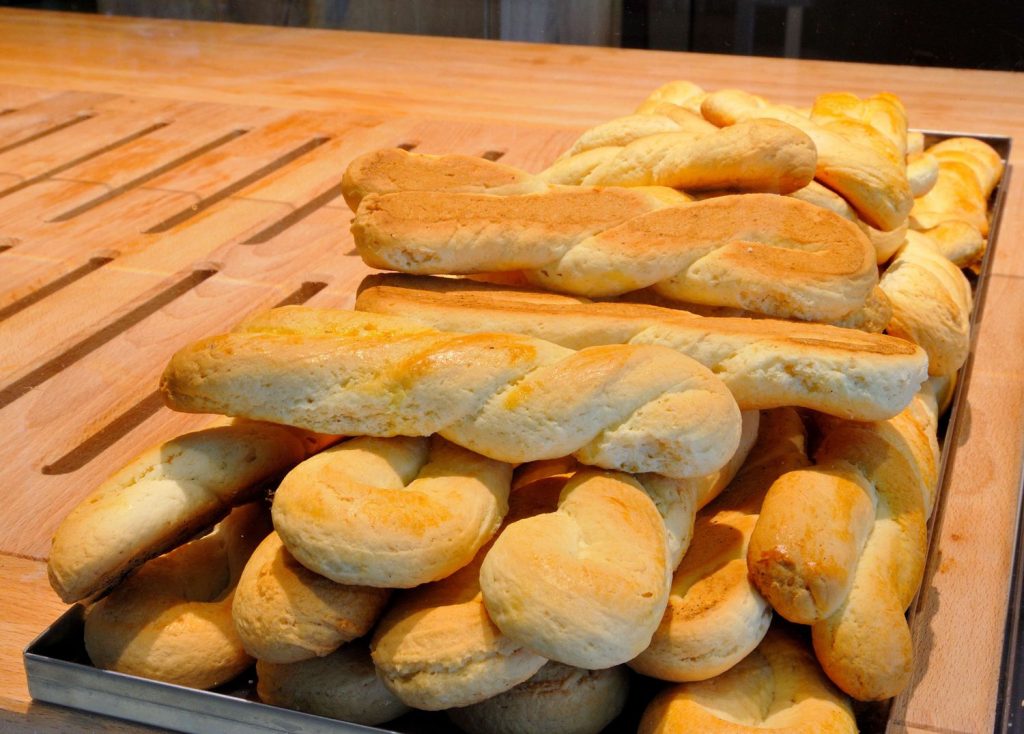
(969, 169)
(284, 612)
(390, 512)
(680, 93)
(715, 617)
(931, 302)
(585, 585)
(631, 408)
(770, 254)
(171, 620)
(842, 545)
(436, 647)
(760, 155)
(865, 174)
(779, 688)
(765, 363)
(163, 497)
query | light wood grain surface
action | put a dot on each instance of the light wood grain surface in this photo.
(160, 180)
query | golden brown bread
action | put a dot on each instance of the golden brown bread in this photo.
(842, 545)
(437, 648)
(765, 363)
(500, 395)
(777, 688)
(162, 498)
(679, 93)
(585, 585)
(171, 620)
(390, 512)
(864, 174)
(284, 612)
(770, 254)
(715, 617)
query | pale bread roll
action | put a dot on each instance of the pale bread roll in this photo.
(171, 620)
(284, 612)
(922, 173)
(622, 131)
(931, 301)
(779, 688)
(715, 616)
(559, 698)
(774, 255)
(344, 685)
(437, 648)
(390, 512)
(585, 585)
(162, 498)
(500, 395)
(765, 364)
(955, 195)
(976, 154)
(864, 174)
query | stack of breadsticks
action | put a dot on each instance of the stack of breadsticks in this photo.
(692, 384)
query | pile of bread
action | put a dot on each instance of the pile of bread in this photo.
(673, 401)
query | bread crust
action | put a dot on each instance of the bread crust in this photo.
(760, 252)
(500, 395)
(764, 363)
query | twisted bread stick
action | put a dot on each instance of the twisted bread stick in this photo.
(760, 155)
(390, 513)
(163, 497)
(778, 688)
(765, 364)
(842, 545)
(678, 93)
(715, 617)
(968, 171)
(633, 408)
(764, 253)
(865, 175)
(624, 130)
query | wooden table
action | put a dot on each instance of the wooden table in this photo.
(159, 180)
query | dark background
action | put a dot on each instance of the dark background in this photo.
(983, 34)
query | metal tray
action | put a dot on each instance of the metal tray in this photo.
(59, 670)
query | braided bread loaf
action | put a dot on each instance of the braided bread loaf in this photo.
(766, 364)
(760, 155)
(842, 545)
(764, 253)
(866, 175)
(715, 616)
(632, 408)
(778, 687)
